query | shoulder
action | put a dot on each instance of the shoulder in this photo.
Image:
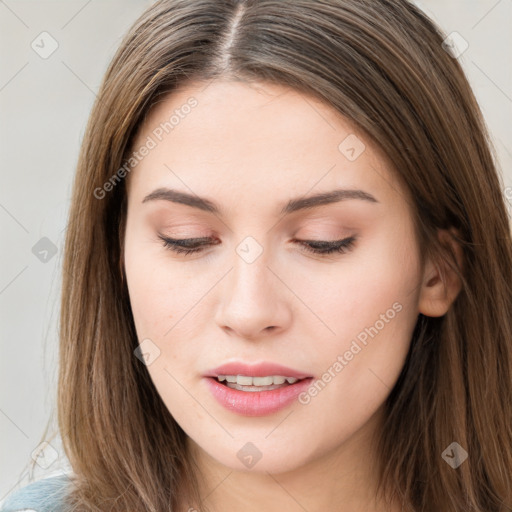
(45, 495)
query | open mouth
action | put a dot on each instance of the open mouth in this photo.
(255, 384)
(256, 396)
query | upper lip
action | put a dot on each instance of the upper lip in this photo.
(262, 369)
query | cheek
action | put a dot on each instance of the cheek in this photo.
(370, 302)
(153, 293)
(351, 293)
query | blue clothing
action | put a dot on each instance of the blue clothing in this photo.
(45, 495)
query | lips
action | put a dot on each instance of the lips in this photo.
(255, 403)
(250, 401)
(263, 369)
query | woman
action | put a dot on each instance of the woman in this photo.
(287, 270)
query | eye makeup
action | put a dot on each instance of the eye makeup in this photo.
(320, 247)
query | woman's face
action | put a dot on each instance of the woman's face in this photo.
(241, 162)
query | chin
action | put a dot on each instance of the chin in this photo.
(261, 456)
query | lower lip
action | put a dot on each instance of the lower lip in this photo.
(256, 403)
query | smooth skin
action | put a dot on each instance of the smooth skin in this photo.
(250, 148)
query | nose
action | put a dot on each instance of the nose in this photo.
(253, 302)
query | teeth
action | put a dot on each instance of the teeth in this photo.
(260, 381)
(244, 380)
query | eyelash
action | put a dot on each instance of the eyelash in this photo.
(318, 247)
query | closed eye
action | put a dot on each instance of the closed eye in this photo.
(195, 245)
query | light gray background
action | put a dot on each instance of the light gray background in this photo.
(44, 106)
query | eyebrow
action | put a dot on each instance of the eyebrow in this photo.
(293, 205)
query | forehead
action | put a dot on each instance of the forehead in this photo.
(216, 137)
(249, 113)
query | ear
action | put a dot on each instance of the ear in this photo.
(441, 284)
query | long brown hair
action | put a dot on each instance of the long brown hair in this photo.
(382, 65)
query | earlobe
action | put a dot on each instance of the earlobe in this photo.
(441, 284)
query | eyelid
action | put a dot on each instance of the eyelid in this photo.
(201, 240)
(317, 247)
